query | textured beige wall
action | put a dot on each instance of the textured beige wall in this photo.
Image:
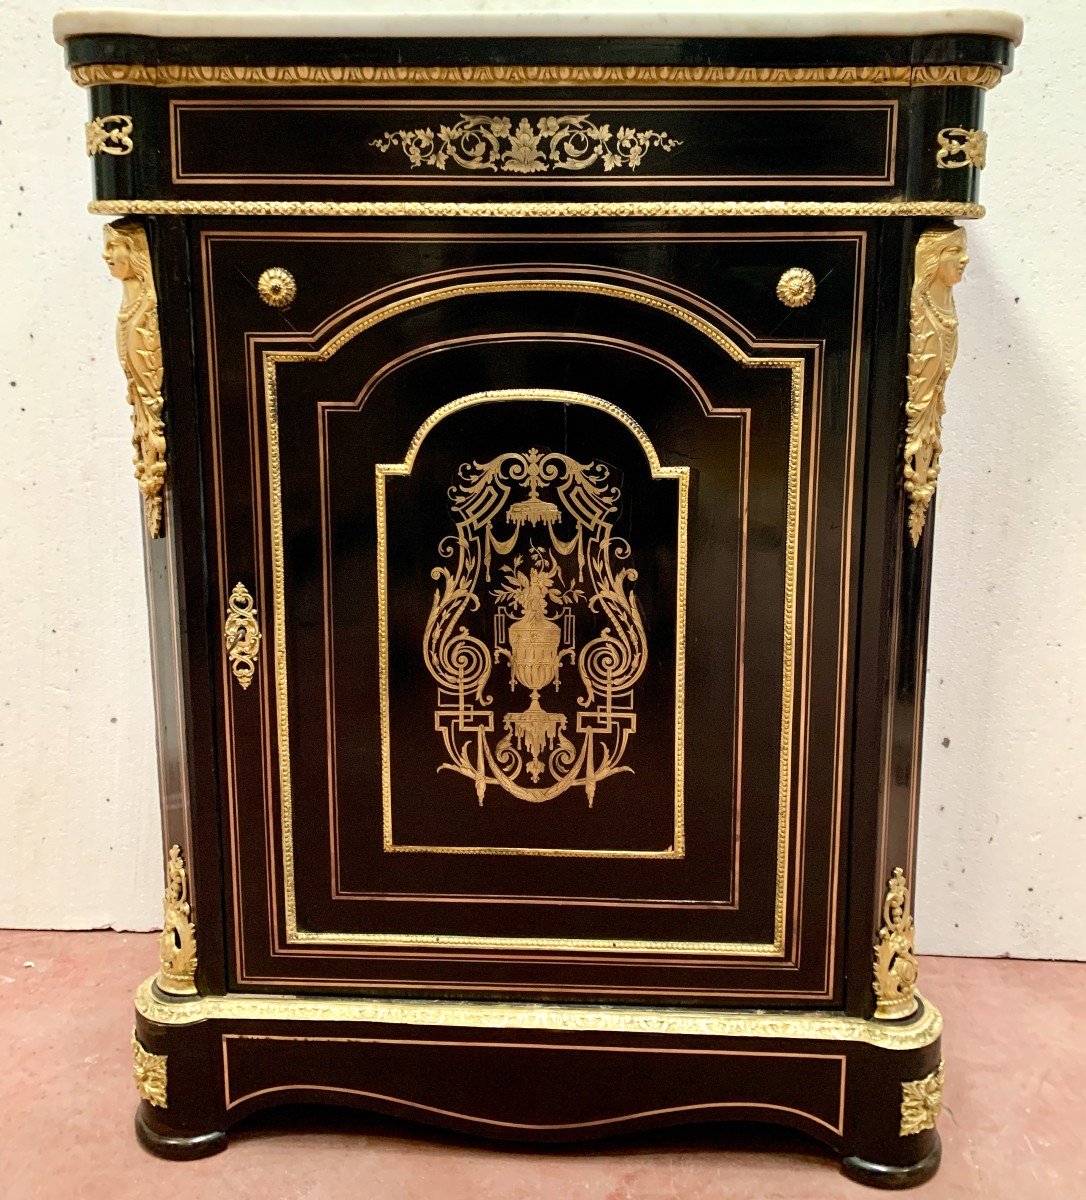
(1003, 832)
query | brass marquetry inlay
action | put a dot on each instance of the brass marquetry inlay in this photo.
(109, 135)
(149, 1072)
(587, 1018)
(961, 148)
(796, 287)
(542, 208)
(177, 942)
(922, 1102)
(557, 564)
(277, 287)
(941, 260)
(241, 633)
(139, 348)
(895, 962)
(575, 525)
(559, 143)
(498, 75)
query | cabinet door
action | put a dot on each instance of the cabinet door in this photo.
(547, 528)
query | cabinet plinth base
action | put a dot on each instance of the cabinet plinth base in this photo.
(542, 1072)
(892, 1178)
(176, 1146)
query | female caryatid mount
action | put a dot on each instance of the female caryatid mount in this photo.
(941, 260)
(140, 350)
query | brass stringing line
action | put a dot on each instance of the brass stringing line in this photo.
(471, 1014)
(540, 208)
(657, 471)
(170, 75)
(794, 365)
(708, 409)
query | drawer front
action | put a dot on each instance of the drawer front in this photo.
(279, 150)
(491, 143)
(548, 533)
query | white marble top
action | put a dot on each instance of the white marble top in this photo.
(506, 18)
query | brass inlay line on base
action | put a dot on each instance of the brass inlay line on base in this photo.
(508, 75)
(543, 208)
(587, 1018)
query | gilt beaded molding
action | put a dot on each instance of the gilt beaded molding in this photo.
(543, 208)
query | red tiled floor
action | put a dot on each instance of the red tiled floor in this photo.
(1012, 1128)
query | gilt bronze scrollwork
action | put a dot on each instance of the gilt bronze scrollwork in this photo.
(961, 148)
(557, 563)
(241, 633)
(109, 135)
(495, 143)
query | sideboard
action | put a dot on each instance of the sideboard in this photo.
(536, 428)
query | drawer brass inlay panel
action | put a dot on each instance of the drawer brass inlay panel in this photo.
(482, 143)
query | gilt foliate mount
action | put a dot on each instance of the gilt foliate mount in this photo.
(536, 596)
(940, 262)
(139, 348)
(571, 142)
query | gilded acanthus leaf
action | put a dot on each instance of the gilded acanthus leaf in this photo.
(149, 1072)
(895, 962)
(177, 942)
(922, 1102)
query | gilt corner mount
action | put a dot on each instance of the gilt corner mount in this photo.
(177, 942)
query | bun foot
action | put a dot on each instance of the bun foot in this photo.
(177, 1146)
(892, 1178)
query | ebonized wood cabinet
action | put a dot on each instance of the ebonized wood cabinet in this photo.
(537, 440)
